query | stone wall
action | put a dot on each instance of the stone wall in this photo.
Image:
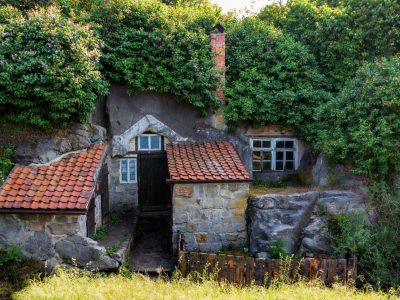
(210, 216)
(301, 220)
(37, 233)
(123, 196)
(53, 239)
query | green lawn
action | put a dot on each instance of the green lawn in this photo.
(67, 285)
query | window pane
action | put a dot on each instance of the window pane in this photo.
(289, 165)
(289, 155)
(144, 142)
(280, 144)
(155, 142)
(256, 166)
(289, 144)
(266, 144)
(267, 155)
(257, 144)
(279, 165)
(256, 155)
(124, 170)
(279, 155)
(132, 170)
(266, 165)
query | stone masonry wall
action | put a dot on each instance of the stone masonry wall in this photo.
(210, 216)
(54, 239)
(123, 196)
(36, 234)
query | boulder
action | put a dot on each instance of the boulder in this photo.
(84, 252)
(316, 238)
(276, 216)
(301, 220)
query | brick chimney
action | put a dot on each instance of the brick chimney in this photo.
(218, 48)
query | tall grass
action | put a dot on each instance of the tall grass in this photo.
(77, 285)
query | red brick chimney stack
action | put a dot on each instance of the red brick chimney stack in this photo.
(218, 48)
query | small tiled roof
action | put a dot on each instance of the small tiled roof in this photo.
(67, 183)
(205, 161)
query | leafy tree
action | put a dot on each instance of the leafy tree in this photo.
(152, 46)
(271, 78)
(49, 68)
(361, 126)
(26, 5)
(341, 34)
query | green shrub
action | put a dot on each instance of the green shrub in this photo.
(277, 249)
(9, 255)
(376, 245)
(114, 217)
(361, 126)
(49, 68)
(101, 233)
(271, 78)
(6, 162)
(113, 249)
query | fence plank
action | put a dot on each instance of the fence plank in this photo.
(230, 268)
(352, 269)
(259, 271)
(202, 262)
(313, 269)
(323, 270)
(194, 259)
(222, 267)
(331, 271)
(211, 261)
(249, 270)
(239, 270)
(341, 270)
(269, 267)
(184, 263)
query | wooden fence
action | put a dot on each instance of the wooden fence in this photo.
(244, 270)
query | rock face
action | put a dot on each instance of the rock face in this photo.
(301, 220)
(79, 137)
(85, 252)
(275, 217)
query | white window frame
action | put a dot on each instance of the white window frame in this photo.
(129, 160)
(149, 135)
(273, 150)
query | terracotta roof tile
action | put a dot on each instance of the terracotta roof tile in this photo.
(205, 161)
(62, 184)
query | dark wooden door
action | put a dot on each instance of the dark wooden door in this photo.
(105, 207)
(154, 192)
(90, 219)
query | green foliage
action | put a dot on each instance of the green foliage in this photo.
(341, 34)
(155, 47)
(101, 233)
(113, 249)
(49, 68)
(277, 249)
(376, 245)
(271, 77)
(115, 216)
(6, 162)
(11, 254)
(152, 51)
(361, 126)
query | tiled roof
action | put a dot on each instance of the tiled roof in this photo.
(205, 161)
(64, 184)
